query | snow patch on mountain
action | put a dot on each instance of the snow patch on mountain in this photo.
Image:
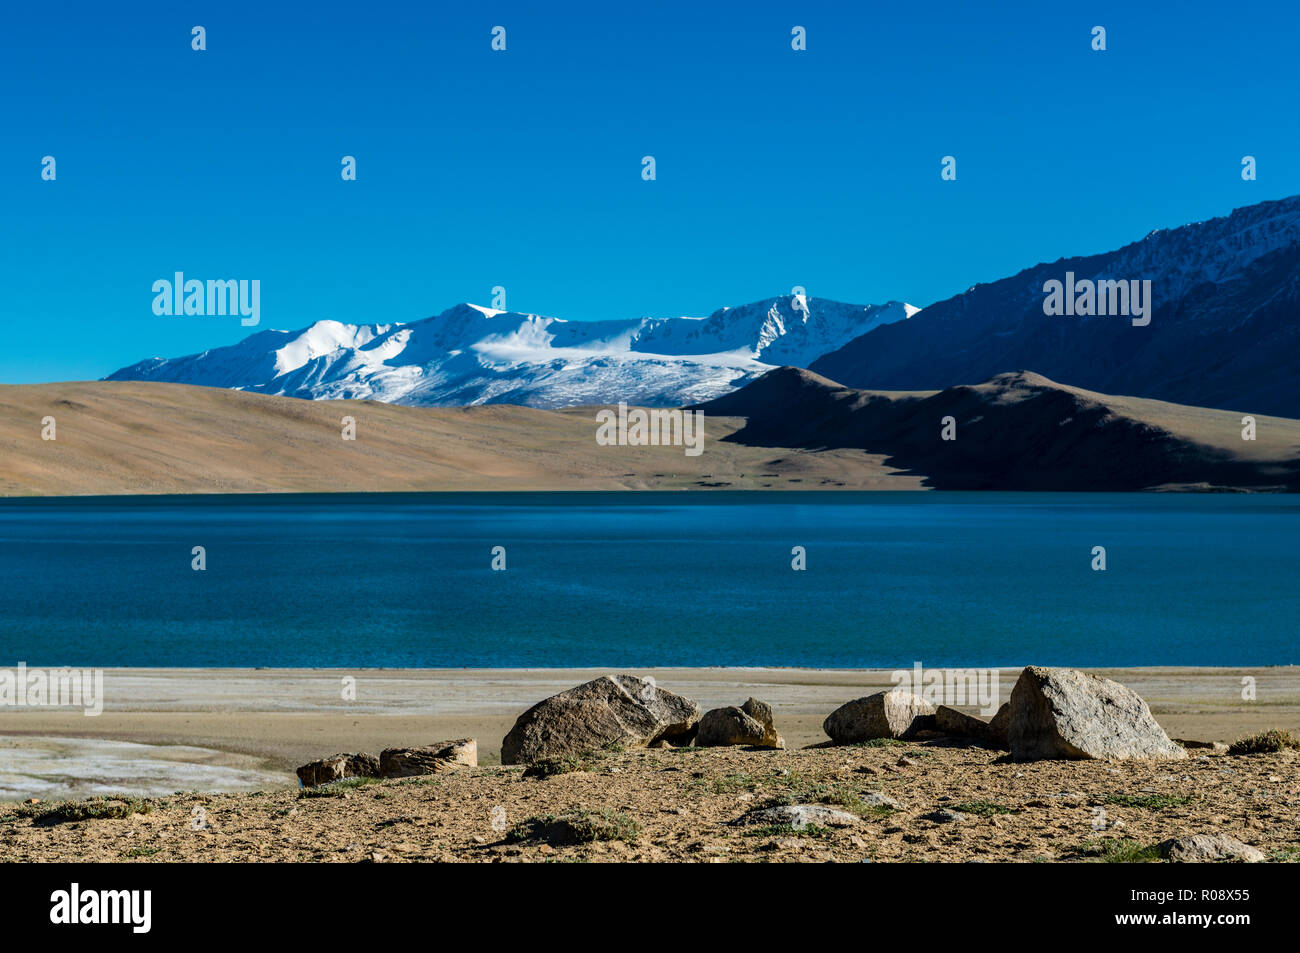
(475, 355)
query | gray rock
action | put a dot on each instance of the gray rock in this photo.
(799, 815)
(958, 724)
(1063, 713)
(727, 726)
(611, 710)
(873, 799)
(892, 714)
(337, 767)
(428, 759)
(1209, 847)
(998, 726)
(944, 816)
(762, 713)
(751, 724)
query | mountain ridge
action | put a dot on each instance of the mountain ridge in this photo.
(469, 355)
(1223, 329)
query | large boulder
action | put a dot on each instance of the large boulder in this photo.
(613, 710)
(337, 767)
(428, 759)
(750, 724)
(1062, 713)
(891, 714)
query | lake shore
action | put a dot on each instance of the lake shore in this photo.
(276, 719)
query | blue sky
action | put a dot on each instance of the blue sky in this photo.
(523, 169)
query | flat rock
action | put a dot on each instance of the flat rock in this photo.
(1063, 713)
(891, 714)
(1209, 847)
(750, 724)
(799, 815)
(337, 767)
(428, 759)
(613, 710)
(873, 799)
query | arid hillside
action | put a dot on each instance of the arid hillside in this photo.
(124, 437)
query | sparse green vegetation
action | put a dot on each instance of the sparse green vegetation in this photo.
(879, 743)
(729, 783)
(550, 767)
(569, 763)
(142, 851)
(93, 809)
(580, 827)
(1266, 742)
(1123, 850)
(982, 808)
(338, 788)
(422, 780)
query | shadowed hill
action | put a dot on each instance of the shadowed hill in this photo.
(1020, 431)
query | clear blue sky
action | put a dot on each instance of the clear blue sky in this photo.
(522, 169)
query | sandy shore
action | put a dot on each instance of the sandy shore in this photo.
(269, 721)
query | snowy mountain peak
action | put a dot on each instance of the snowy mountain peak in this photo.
(470, 354)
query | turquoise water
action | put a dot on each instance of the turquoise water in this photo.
(606, 579)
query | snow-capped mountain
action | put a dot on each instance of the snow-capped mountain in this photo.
(1224, 329)
(474, 355)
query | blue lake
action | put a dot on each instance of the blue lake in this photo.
(608, 579)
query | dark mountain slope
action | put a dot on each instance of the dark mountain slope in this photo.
(1019, 431)
(1224, 331)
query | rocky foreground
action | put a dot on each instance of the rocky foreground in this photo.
(910, 801)
(1072, 768)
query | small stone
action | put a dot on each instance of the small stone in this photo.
(945, 816)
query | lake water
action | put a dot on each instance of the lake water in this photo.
(608, 579)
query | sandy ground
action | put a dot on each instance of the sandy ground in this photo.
(287, 717)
